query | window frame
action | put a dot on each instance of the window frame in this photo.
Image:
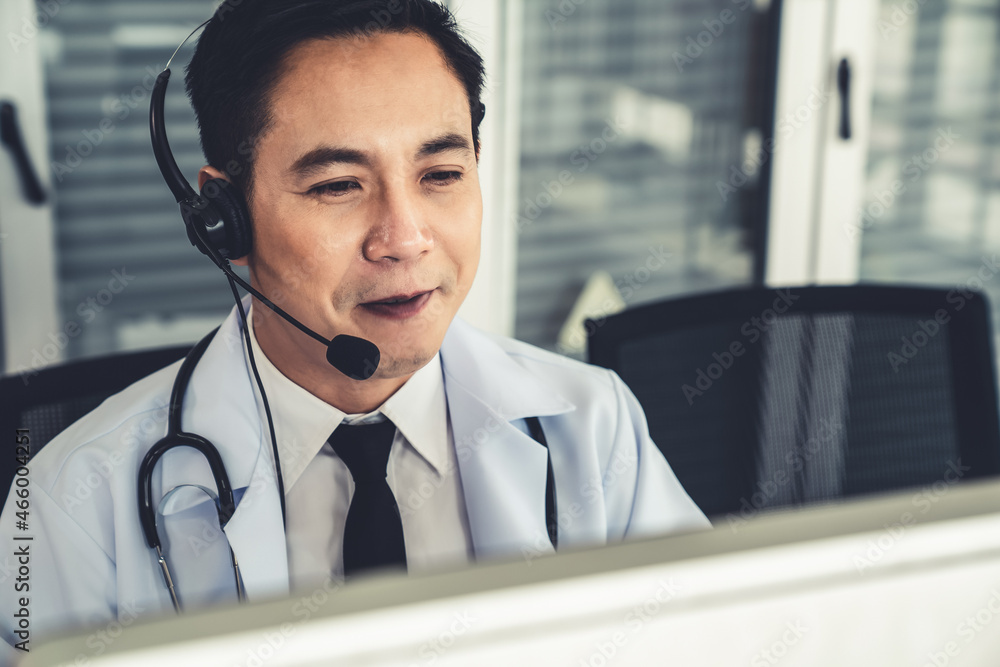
(817, 176)
(494, 27)
(30, 331)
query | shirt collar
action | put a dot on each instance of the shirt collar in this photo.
(419, 410)
(303, 422)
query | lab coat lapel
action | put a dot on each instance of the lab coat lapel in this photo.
(221, 405)
(503, 470)
(257, 535)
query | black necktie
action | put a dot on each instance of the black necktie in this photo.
(373, 536)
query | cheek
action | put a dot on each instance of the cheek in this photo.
(293, 248)
(465, 241)
(473, 252)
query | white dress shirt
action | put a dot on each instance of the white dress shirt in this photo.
(422, 472)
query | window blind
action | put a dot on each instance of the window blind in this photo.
(123, 257)
(681, 78)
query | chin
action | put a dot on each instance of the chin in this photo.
(394, 366)
(410, 348)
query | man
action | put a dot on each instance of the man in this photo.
(355, 143)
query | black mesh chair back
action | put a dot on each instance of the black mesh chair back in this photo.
(48, 400)
(762, 398)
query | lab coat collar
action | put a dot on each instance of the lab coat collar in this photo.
(490, 374)
(503, 469)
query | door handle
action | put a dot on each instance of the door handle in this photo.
(11, 137)
(844, 88)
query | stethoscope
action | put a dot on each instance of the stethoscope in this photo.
(225, 505)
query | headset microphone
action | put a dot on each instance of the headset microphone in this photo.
(218, 224)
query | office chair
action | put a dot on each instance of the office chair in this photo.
(48, 400)
(762, 399)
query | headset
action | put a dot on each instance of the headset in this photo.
(217, 221)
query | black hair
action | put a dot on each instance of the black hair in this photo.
(240, 58)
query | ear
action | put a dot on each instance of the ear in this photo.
(205, 174)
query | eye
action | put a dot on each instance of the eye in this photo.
(335, 189)
(443, 177)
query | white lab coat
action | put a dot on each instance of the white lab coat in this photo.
(90, 564)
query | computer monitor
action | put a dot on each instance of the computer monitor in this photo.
(908, 579)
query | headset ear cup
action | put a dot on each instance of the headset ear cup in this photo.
(231, 205)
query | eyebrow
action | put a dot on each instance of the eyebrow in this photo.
(319, 158)
(447, 142)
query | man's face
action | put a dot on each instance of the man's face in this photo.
(367, 209)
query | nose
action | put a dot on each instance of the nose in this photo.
(400, 232)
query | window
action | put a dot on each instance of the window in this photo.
(931, 212)
(638, 118)
(126, 272)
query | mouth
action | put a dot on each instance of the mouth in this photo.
(398, 307)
